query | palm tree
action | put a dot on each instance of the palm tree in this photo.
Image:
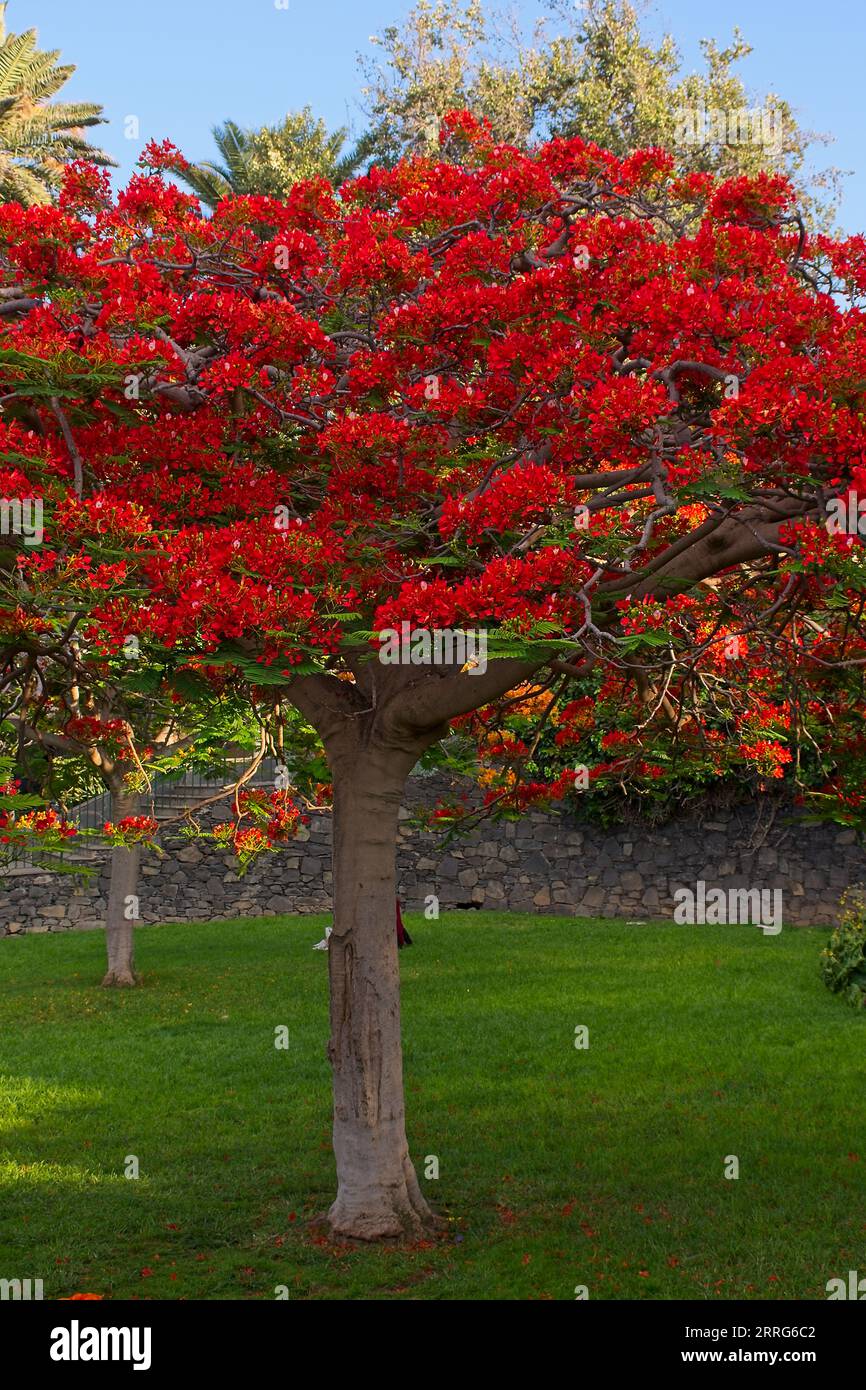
(38, 136)
(270, 160)
(210, 181)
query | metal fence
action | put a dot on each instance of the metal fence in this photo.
(171, 796)
(168, 799)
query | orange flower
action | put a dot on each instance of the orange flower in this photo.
(535, 702)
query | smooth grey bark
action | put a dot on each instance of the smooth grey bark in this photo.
(374, 730)
(121, 917)
(378, 1194)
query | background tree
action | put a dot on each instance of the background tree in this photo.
(37, 135)
(29, 827)
(271, 160)
(114, 720)
(584, 70)
(127, 739)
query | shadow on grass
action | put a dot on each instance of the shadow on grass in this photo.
(604, 1165)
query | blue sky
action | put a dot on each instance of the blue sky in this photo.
(182, 65)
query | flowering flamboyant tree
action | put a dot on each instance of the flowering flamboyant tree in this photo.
(546, 396)
(28, 826)
(124, 726)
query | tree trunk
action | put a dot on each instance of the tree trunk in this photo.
(122, 899)
(377, 1188)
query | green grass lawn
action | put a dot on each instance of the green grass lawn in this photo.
(558, 1167)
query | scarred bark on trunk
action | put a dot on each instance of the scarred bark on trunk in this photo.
(122, 915)
(378, 1194)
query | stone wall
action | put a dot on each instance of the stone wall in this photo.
(545, 863)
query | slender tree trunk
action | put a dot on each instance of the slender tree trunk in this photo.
(374, 728)
(122, 898)
(377, 1192)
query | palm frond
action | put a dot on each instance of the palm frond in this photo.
(37, 135)
(15, 55)
(232, 141)
(358, 158)
(66, 114)
(44, 78)
(208, 183)
(211, 182)
(18, 184)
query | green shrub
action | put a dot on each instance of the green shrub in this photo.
(843, 960)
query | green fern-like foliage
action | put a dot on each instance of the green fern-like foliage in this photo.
(271, 160)
(38, 136)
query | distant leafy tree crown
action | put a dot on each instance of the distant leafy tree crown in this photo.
(269, 161)
(585, 70)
